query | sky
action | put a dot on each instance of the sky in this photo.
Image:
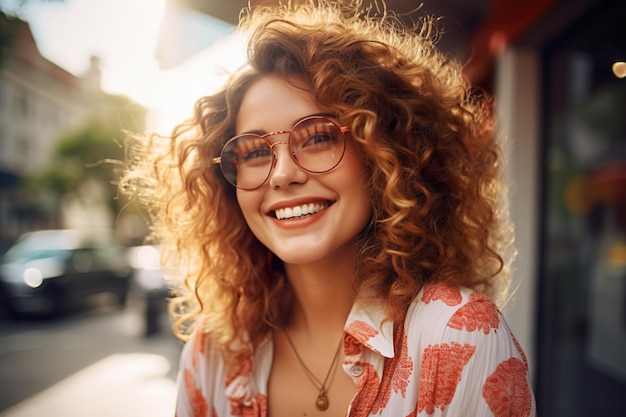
(123, 34)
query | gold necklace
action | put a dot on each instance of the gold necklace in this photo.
(321, 403)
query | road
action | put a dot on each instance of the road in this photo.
(93, 363)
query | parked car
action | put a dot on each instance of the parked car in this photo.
(151, 286)
(51, 272)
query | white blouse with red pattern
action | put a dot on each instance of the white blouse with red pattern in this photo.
(453, 355)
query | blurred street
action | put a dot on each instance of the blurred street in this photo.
(92, 363)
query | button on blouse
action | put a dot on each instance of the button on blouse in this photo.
(356, 371)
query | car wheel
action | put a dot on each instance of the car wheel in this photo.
(58, 303)
(9, 310)
(122, 298)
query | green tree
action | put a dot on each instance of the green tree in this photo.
(87, 152)
(90, 154)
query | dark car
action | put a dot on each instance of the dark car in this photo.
(53, 271)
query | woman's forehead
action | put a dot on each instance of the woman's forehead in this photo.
(274, 103)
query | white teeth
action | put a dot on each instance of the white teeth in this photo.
(299, 211)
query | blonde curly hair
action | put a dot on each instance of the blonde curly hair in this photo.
(433, 172)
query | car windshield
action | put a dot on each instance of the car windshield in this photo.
(42, 245)
(31, 255)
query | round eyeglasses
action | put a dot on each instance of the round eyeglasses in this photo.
(316, 144)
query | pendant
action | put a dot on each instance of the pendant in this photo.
(322, 401)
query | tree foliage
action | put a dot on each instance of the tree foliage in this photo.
(93, 151)
(87, 152)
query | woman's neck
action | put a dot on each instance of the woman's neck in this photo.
(324, 294)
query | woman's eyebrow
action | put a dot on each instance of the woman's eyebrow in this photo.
(329, 115)
(260, 132)
(253, 132)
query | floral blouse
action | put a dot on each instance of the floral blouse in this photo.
(453, 355)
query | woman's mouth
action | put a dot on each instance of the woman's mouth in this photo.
(300, 210)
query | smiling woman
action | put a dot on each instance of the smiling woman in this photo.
(332, 181)
(355, 218)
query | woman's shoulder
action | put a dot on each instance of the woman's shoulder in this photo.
(208, 382)
(199, 370)
(449, 298)
(445, 315)
(200, 352)
(459, 337)
(441, 307)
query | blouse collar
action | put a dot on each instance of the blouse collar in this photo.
(367, 324)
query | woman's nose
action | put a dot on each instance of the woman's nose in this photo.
(285, 170)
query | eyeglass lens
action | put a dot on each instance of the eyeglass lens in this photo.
(316, 145)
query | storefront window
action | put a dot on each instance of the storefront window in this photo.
(582, 318)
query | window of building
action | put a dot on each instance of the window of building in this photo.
(21, 104)
(3, 96)
(582, 318)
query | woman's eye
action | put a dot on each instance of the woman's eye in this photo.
(317, 136)
(255, 154)
(252, 150)
(319, 141)
(320, 138)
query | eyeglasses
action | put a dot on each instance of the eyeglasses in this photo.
(316, 144)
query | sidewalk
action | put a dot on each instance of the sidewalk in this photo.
(121, 385)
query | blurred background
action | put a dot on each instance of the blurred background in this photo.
(75, 74)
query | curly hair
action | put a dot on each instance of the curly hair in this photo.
(432, 171)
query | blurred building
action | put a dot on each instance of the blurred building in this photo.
(39, 102)
(562, 114)
(562, 111)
